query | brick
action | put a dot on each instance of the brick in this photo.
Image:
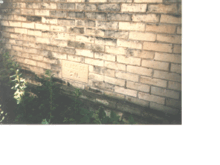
(42, 26)
(20, 30)
(97, 77)
(161, 28)
(105, 41)
(67, 22)
(43, 65)
(167, 75)
(115, 50)
(128, 1)
(58, 28)
(138, 86)
(76, 14)
(4, 23)
(161, 8)
(175, 68)
(139, 70)
(30, 62)
(146, 17)
(114, 81)
(20, 18)
(113, 95)
(103, 56)
(85, 39)
(27, 11)
(49, 20)
(157, 47)
(86, 53)
(137, 101)
(68, 6)
(167, 57)
(115, 66)
(118, 17)
(48, 5)
(90, 7)
(76, 30)
(60, 56)
(129, 60)
(165, 92)
(80, 7)
(179, 30)
(43, 40)
(100, 16)
(172, 1)
(124, 91)
(175, 39)
(127, 76)
(108, 7)
(163, 108)
(107, 25)
(170, 19)
(18, 48)
(174, 85)
(140, 53)
(75, 1)
(42, 12)
(142, 36)
(15, 24)
(133, 7)
(75, 58)
(90, 23)
(177, 49)
(151, 98)
(28, 25)
(129, 44)
(109, 72)
(94, 62)
(173, 103)
(33, 5)
(98, 1)
(131, 26)
(18, 5)
(155, 64)
(116, 34)
(153, 81)
(58, 13)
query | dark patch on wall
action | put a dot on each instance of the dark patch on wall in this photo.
(34, 19)
(76, 30)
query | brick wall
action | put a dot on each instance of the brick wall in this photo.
(127, 49)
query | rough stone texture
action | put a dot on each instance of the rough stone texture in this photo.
(129, 50)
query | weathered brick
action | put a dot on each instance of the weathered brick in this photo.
(28, 25)
(124, 91)
(142, 36)
(149, 1)
(133, 7)
(138, 86)
(103, 56)
(151, 98)
(162, 8)
(164, 92)
(100, 16)
(85, 39)
(75, 1)
(42, 40)
(157, 47)
(75, 58)
(153, 81)
(15, 24)
(67, 22)
(42, 12)
(42, 26)
(146, 17)
(20, 18)
(116, 34)
(115, 50)
(128, 1)
(163, 108)
(129, 44)
(174, 85)
(49, 20)
(97, 77)
(58, 28)
(175, 68)
(129, 60)
(167, 57)
(155, 64)
(94, 62)
(27, 11)
(118, 17)
(167, 75)
(176, 39)
(43, 65)
(80, 7)
(139, 70)
(68, 6)
(161, 28)
(131, 26)
(138, 101)
(76, 14)
(33, 5)
(61, 56)
(86, 53)
(4, 23)
(173, 103)
(109, 7)
(98, 1)
(90, 7)
(170, 19)
(48, 5)
(177, 49)
(58, 13)
(179, 30)
(115, 66)
(76, 30)
(127, 76)
(107, 25)
(114, 81)
(20, 30)
(105, 41)
(140, 53)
